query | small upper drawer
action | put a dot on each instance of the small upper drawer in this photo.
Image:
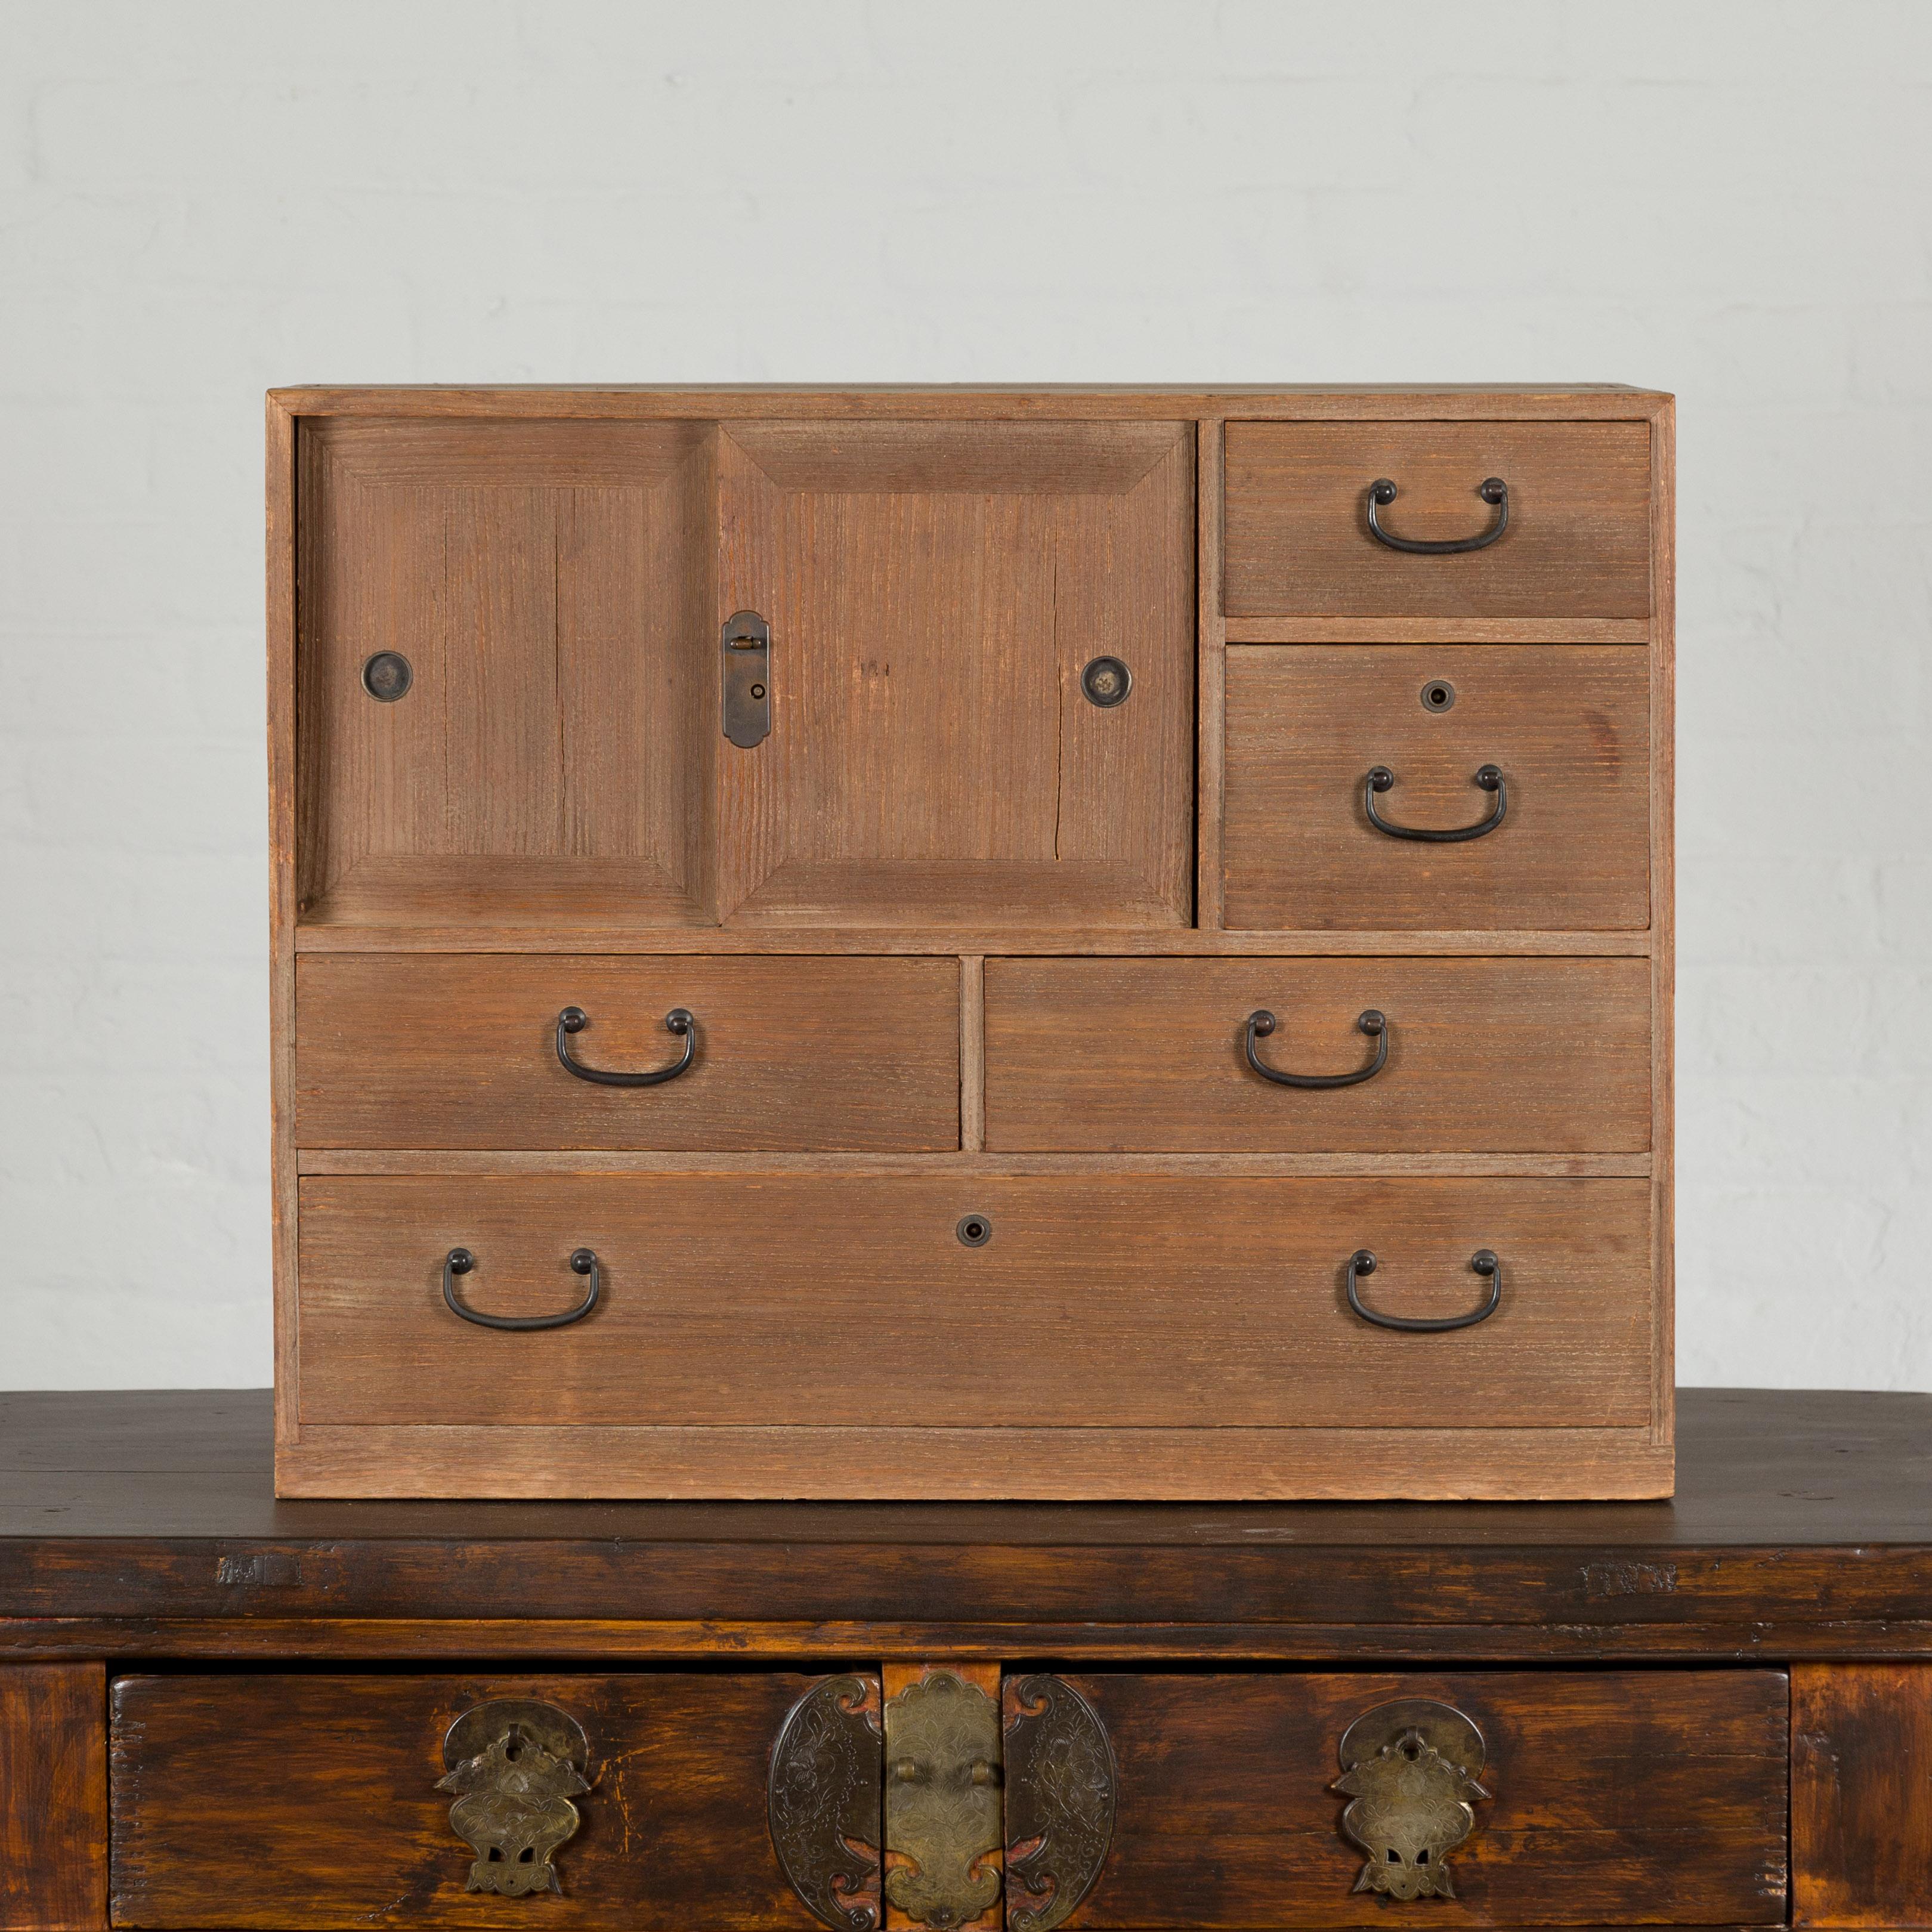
(447, 1051)
(1298, 540)
(1547, 1798)
(1451, 788)
(1488, 1056)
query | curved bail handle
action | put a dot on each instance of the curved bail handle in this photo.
(1489, 778)
(1483, 1261)
(1494, 491)
(461, 1260)
(1261, 1023)
(680, 1020)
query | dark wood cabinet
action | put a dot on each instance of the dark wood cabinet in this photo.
(219, 1710)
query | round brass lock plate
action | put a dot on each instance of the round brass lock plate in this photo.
(975, 1230)
(1106, 681)
(388, 676)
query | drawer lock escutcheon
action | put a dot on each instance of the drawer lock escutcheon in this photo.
(515, 1764)
(746, 679)
(1408, 1770)
(944, 1823)
(823, 1801)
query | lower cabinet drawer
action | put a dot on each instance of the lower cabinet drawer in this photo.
(1157, 1300)
(1111, 1799)
(1593, 1798)
(345, 1801)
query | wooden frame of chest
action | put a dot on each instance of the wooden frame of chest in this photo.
(1079, 943)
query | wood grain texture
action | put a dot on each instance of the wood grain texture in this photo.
(1577, 543)
(1569, 727)
(933, 594)
(1428, 628)
(461, 1052)
(1616, 1799)
(548, 586)
(1802, 1524)
(973, 1053)
(1663, 900)
(1501, 1055)
(1183, 941)
(284, 797)
(1151, 1300)
(310, 1801)
(1210, 676)
(975, 1165)
(53, 1797)
(1861, 1795)
(990, 402)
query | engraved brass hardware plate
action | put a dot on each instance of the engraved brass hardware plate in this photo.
(746, 679)
(823, 1801)
(1409, 1770)
(1060, 1784)
(943, 1829)
(515, 1764)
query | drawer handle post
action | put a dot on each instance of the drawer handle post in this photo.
(1489, 778)
(1483, 1261)
(1260, 1024)
(1494, 491)
(461, 1260)
(680, 1020)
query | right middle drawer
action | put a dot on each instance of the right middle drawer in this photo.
(1439, 1056)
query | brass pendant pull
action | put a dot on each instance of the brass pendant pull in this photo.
(461, 1260)
(1483, 1261)
(515, 1764)
(1494, 491)
(680, 1020)
(1409, 1769)
(1489, 778)
(943, 1810)
(1260, 1024)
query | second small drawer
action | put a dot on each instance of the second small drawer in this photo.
(1344, 1056)
(675, 1054)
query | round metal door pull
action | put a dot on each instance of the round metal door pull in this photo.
(388, 676)
(1106, 682)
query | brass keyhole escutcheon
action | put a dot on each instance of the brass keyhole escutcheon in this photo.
(1409, 1769)
(514, 1764)
(944, 1819)
(1438, 694)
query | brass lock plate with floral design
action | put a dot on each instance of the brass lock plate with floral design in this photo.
(1409, 1770)
(945, 1824)
(515, 1764)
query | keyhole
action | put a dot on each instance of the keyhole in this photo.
(1437, 694)
(975, 1230)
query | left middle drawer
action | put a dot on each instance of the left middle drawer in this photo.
(666, 1054)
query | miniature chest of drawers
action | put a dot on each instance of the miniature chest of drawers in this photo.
(972, 944)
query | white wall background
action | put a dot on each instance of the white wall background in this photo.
(1727, 198)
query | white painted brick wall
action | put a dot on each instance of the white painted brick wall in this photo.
(1727, 198)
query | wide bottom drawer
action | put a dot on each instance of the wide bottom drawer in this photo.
(1201, 1306)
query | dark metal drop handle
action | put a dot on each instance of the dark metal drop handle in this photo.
(679, 1020)
(1489, 778)
(1382, 493)
(461, 1260)
(1260, 1024)
(1362, 1261)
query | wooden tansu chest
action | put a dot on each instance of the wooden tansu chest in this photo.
(1066, 943)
